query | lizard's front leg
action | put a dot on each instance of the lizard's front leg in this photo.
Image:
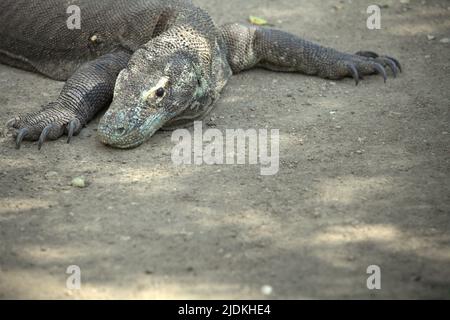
(88, 91)
(250, 46)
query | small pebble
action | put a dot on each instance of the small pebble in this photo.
(266, 290)
(445, 40)
(51, 174)
(79, 182)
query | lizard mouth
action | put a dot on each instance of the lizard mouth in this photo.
(117, 131)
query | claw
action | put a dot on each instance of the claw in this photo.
(354, 73)
(71, 129)
(22, 133)
(44, 135)
(369, 54)
(392, 66)
(399, 66)
(10, 123)
(379, 68)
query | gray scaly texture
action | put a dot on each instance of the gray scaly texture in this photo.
(156, 64)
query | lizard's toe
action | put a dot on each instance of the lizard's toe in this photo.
(43, 125)
(367, 54)
(351, 68)
(72, 128)
(22, 133)
(361, 64)
(369, 66)
(389, 63)
(37, 132)
(51, 132)
(386, 61)
(356, 69)
(380, 70)
(397, 63)
(393, 63)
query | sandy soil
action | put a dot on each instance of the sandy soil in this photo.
(364, 180)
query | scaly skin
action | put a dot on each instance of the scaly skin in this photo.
(158, 64)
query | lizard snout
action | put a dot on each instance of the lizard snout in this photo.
(114, 130)
(119, 130)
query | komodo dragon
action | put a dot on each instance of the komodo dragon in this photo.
(157, 63)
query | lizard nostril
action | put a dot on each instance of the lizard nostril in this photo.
(120, 130)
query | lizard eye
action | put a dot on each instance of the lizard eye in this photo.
(160, 92)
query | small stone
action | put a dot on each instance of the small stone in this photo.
(51, 174)
(431, 37)
(69, 293)
(359, 152)
(266, 290)
(78, 182)
(445, 40)
(338, 7)
(125, 238)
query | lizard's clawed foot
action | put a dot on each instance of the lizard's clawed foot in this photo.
(367, 63)
(48, 124)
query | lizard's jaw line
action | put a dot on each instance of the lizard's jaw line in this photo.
(134, 137)
(125, 147)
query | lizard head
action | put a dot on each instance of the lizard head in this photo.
(150, 92)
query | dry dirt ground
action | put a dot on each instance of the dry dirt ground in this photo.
(364, 180)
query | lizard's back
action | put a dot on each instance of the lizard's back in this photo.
(35, 34)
